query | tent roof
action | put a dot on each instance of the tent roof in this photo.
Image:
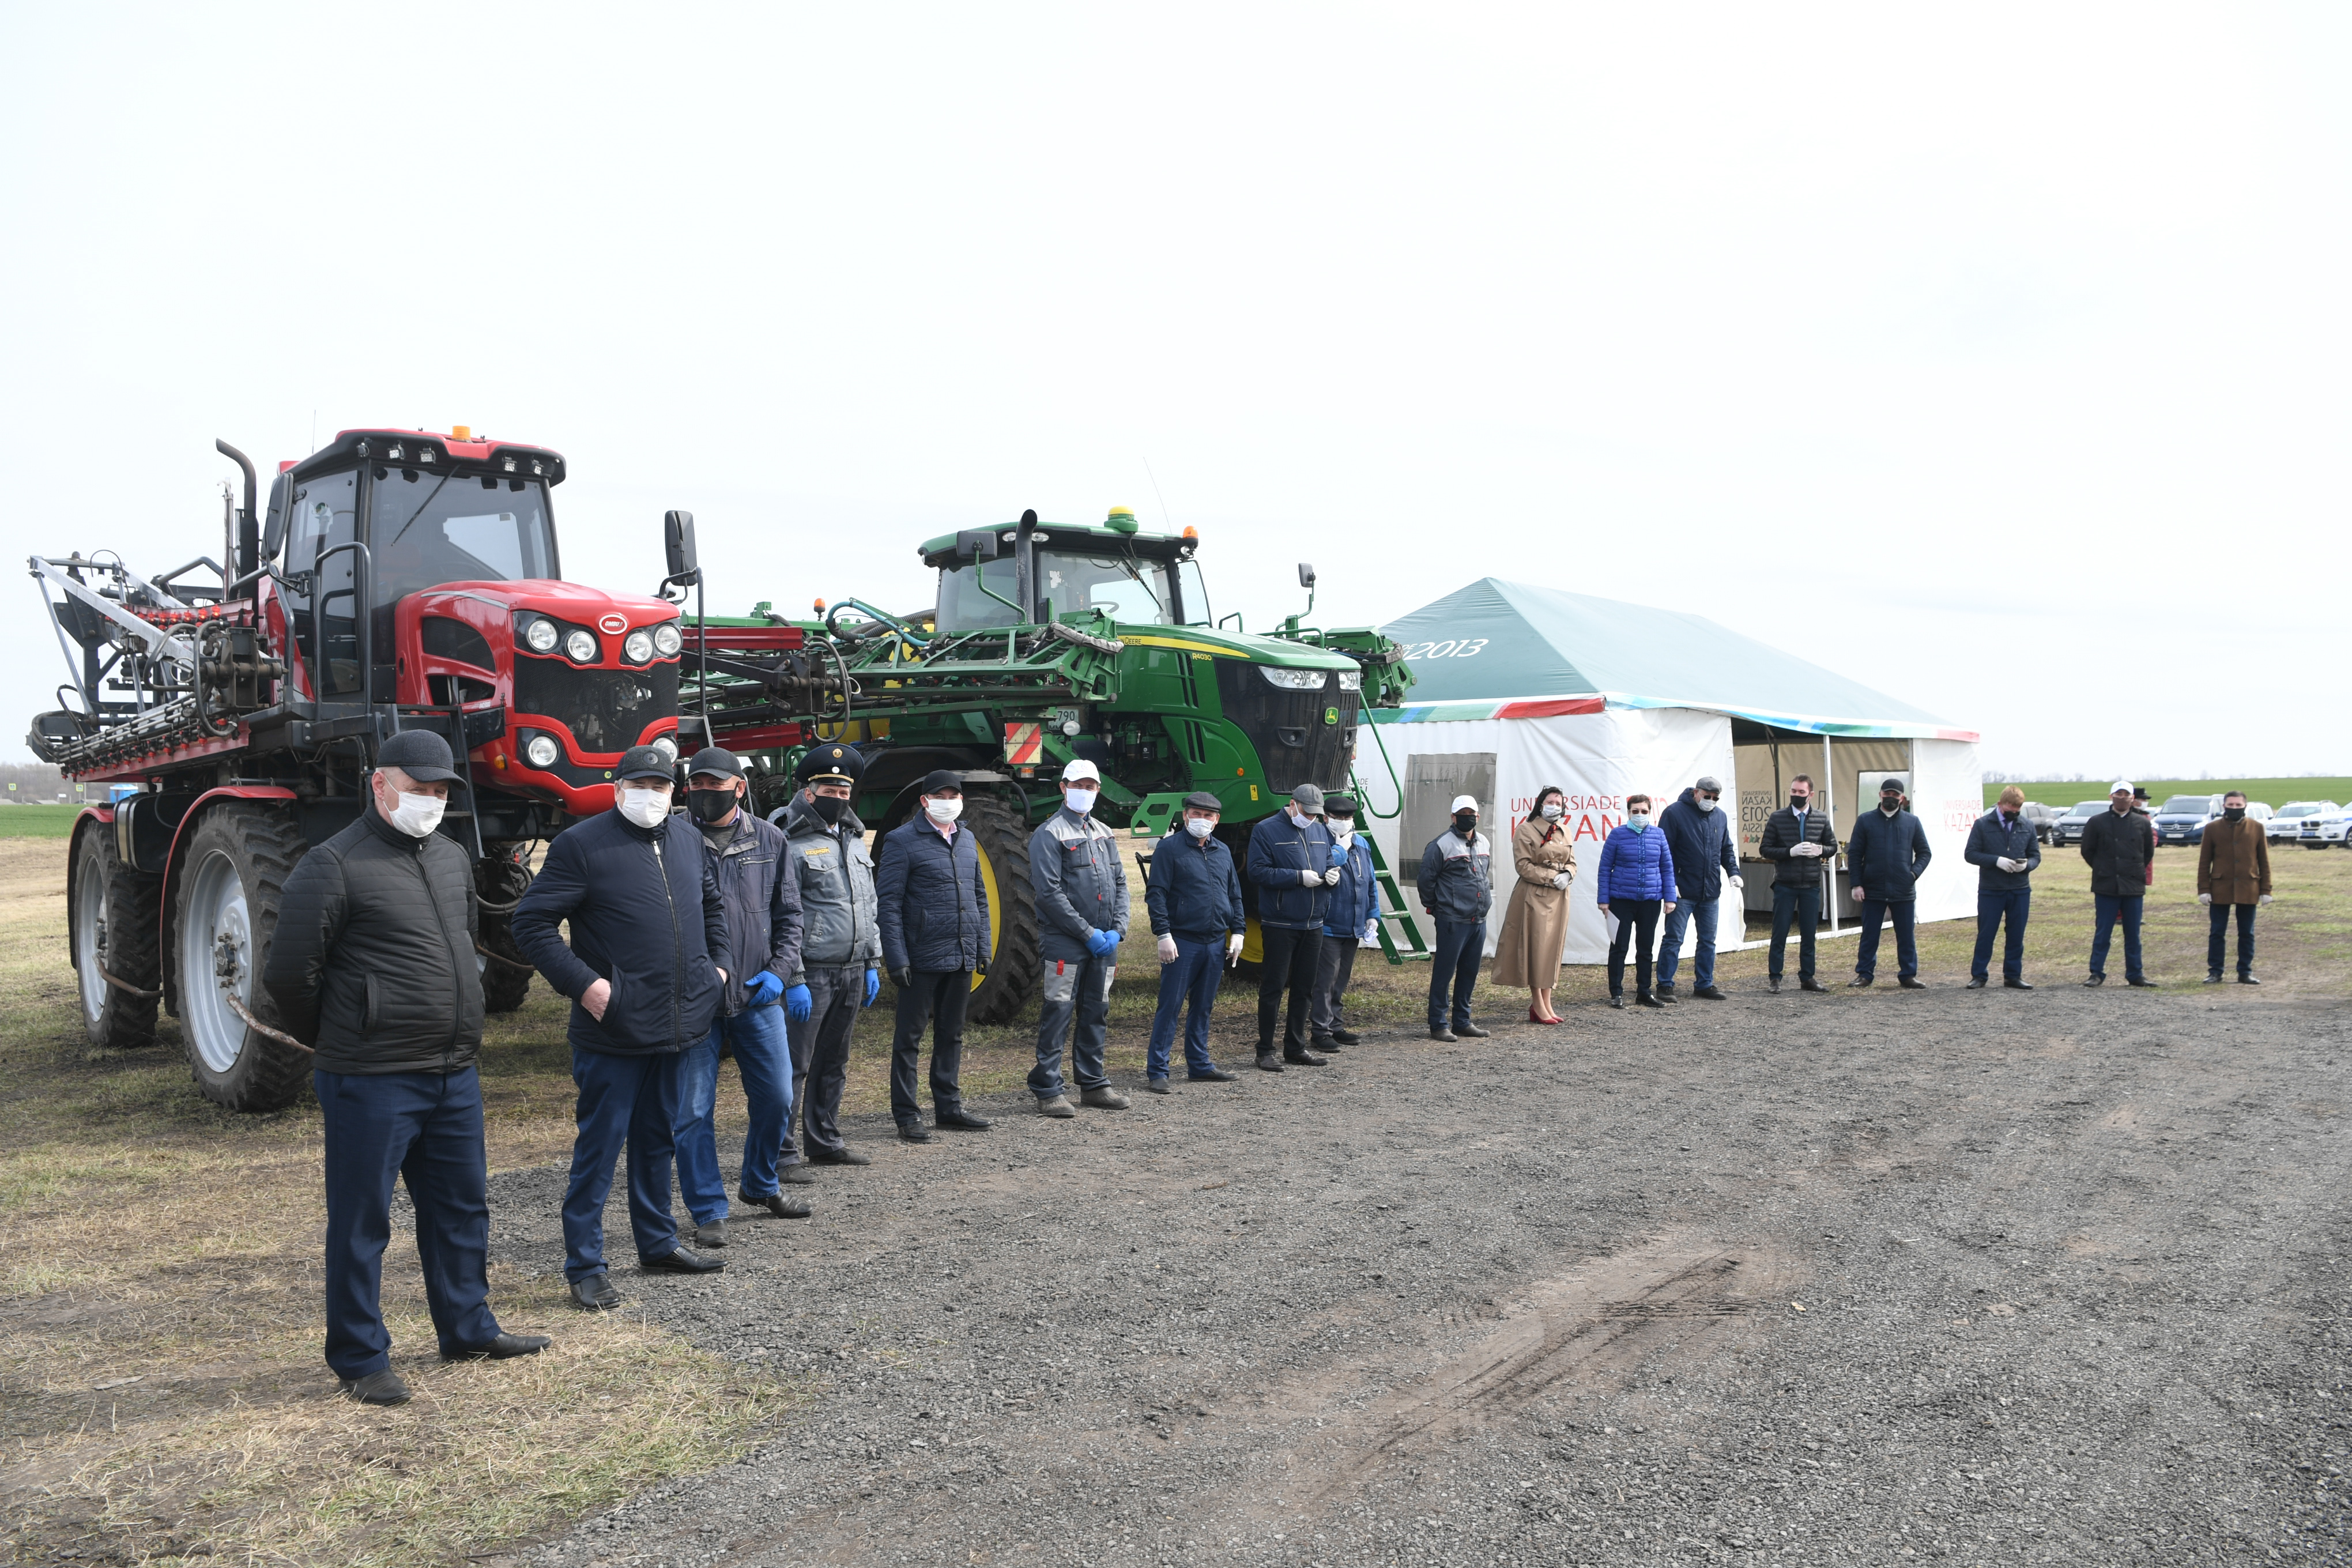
(1532, 651)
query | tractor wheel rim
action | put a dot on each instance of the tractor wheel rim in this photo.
(90, 938)
(216, 934)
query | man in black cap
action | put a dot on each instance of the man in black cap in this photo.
(1193, 897)
(934, 920)
(763, 931)
(1290, 860)
(646, 970)
(1349, 920)
(1884, 859)
(374, 964)
(841, 946)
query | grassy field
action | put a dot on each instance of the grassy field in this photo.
(50, 821)
(165, 1399)
(2275, 792)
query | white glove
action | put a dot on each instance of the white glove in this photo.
(1372, 929)
(1232, 947)
(1332, 878)
(1310, 879)
(2204, 898)
(1559, 879)
(2007, 864)
(1809, 849)
(1167, 949)
(2264, 899)
(1740, 882)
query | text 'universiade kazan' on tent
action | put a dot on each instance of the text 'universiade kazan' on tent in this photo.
(1516, 686)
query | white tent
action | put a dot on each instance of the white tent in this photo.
(1516, 688)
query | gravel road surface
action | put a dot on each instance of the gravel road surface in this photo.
(1986, 1277)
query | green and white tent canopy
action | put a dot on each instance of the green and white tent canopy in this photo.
(1511, 650)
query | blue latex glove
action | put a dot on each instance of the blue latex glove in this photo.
(1339, 855)
(1102, 941)
(873, 986)
(797, 1003)
(763, 988)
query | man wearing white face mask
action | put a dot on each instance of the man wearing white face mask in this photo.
(1194, 899)
(373, 962)
(934, 930)
(1698, 835)
(1080, 881)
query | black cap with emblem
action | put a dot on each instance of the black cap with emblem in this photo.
(830, 762)
(421, 754)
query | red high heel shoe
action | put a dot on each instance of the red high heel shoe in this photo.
(1536, 1017)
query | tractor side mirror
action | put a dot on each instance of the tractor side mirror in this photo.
(678, 539)
(1306, 575)
(975, 544)
(273, 530)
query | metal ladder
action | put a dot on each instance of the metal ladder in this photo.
(1393, 910)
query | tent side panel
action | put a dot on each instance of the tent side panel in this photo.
(1948, 797)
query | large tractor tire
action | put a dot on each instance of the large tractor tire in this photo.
(115, 955)
(499, 881)
(230, 885)
(1002, 840)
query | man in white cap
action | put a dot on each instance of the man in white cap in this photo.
(1457, 890)
(2119, 846)
(1080, 882)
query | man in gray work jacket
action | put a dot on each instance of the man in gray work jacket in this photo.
(1076, 871)
(841, 951)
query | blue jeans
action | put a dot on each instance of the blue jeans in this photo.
(1874, 912)
(1670, 953)
(2110, 910)
(2216, 946)
(1461, 947)
(1077, 1003)
(426, 1129)
(1193, 977)
(1990, 909)
(1802, 905)
(764, 1056)
(628, 1101)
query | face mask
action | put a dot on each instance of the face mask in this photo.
(2234, 813)
(1890, 807)
(1552, 811)
(1199, 827)
(646, 807)
(1464, 822)
(1800, 801)
(1081, 801)
(710, 805)
(1703, 804)
(1638, 822)
(1342, 830)
(418, 814)
(828, 807)
(946, 810)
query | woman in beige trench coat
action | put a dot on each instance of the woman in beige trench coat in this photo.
(1535, 930)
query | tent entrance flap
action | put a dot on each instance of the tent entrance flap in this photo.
(1431, 779)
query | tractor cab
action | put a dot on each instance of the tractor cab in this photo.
(1135, 578)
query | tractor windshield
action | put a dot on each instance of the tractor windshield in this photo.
(428, 529)
(1139, 592)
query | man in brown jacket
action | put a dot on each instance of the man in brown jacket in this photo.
(2234, 872)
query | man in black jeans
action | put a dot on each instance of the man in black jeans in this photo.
(1803, 841)
(1290, 862)
(934, 919)
(1457, 891)
(1884, 859)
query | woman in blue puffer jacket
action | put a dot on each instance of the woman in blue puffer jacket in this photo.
(1637, 882)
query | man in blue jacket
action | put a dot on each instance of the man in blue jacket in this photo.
(645, 971)
(763, 930)
(2006, 852)
(934, 917)
(1456, 884)
(1884, 859)
(1698, 835)
(1290, 862)
(1349, 918)
(1194, 898)
(1079, 878)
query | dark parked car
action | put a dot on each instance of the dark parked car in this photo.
(2041, 816)
(2068, 829)
(2182, 818)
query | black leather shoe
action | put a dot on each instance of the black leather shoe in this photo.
(376, 1388)
(1910, 983)
(681, 1262)
(1810, 985)
(504, 1348)
(1469, 1032)
(1977, 983)
(1326, 1044)
(1268, 1062)
(955, 1118)
(2248, 980)
(1643, 999)
(1304, 1060)
(1448, 1035)
(2096, 979)
(1346, 1037)
(842, 1156)
(1214, 1075)
(914, 1132)
(798, 1175)
(1155, 1085)
(778, 1204)
(595, 1293)
(1666, 998)
(713, 1234)
(2017, 985)
(1710, 994)
(1616, 1000)
(1862, 982)
(2213, 977)
(1772, 984)
(2138, 979)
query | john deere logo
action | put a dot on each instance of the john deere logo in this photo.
(1330, 715)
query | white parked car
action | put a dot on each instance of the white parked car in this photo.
(2331, 829)
(2287, 821)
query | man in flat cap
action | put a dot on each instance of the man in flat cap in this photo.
(1349, 920)
(934, 919)
(764, 932)
(1290, 860)
(1193, 897)
(841, 948)
(373, 964)
(645, 969)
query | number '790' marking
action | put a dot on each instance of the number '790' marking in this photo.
(1460, 647)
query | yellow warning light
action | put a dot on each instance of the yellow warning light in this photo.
(1191, 532)
(461, 432)
(819, 606)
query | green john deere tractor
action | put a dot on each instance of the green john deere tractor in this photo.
(1049, 642)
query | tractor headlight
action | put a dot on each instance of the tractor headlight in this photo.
(639, 649)
(539, 636)
(1351, 680)
(667, 639)
(581, 647)
(542, 751)
(667, 746)
(1293, 679)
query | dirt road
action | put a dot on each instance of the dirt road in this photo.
(1985, 1276)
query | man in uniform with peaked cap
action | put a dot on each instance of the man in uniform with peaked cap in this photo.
(841, 948)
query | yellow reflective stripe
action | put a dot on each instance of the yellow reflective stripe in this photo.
(1209, 648)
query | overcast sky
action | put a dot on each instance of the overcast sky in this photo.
(1997, 359)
